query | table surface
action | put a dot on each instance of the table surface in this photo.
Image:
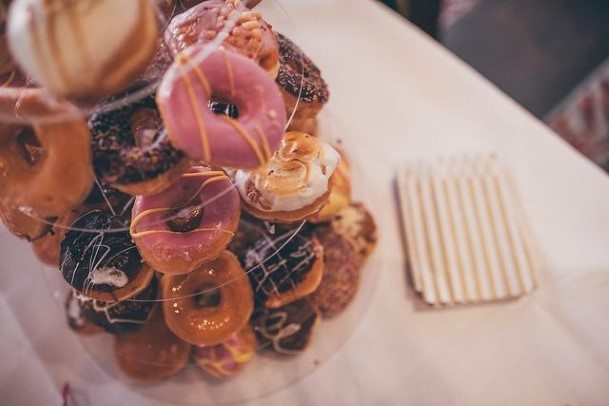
(400, 96)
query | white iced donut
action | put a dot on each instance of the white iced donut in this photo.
(82, 48)
(294, 184)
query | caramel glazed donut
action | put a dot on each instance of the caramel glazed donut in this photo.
(44, 165)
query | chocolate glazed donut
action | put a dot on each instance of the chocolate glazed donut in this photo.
(301, 85)
(131, 151)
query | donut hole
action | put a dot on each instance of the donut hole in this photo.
(146, 124)
(208, 296)
(185, 218)
(221, 107)
(28, 145)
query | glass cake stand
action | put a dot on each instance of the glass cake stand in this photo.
(267, 372)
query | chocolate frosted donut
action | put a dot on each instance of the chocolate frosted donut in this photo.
(75, 317)
(131, 151)
(284, 263)
(286, 330)
(117, 317)
(297, 71)
(102, 262)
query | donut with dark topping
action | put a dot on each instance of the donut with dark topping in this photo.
(286, 330)
(284, 263)
(99, 259)
(299, 77)
(131, 151)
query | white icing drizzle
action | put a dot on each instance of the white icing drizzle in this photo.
(258, 257)
(108, 276)
(283, 331)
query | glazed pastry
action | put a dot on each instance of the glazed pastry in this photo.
(75, 318)
(48, 167)
(210, 304)
(301, 85)
(341, 277)
(286, 330)
(48, 248)
(294, 184)
(122, 317)
(99, 260)
(153, 353)
(283, 263)
(30, 227)
(228, 358)
(85, 49)
(131, 151)
(340, 196)
(184, 96)
(251, 36)
(356, 223)
(188, 224)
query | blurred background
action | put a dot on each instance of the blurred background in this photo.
(551, 56)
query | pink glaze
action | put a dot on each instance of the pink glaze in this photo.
(219, 200)
(183, 98)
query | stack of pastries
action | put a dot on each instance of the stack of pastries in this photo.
(146, 152)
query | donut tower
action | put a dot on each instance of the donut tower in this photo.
(165, 158)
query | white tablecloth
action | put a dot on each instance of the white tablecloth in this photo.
(401, 96)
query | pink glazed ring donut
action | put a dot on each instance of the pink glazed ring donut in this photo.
(187, 224)
(183, 100)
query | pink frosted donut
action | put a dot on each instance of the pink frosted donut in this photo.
(187, 224)
(229, 357)
(183, 100)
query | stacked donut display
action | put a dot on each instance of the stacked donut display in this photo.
(169, 164)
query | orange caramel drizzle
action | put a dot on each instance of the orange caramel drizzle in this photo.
(215, 176)
(229, 73)
(265, 141)
(195, 105)
(248, 137)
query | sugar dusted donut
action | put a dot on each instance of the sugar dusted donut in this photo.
(284, 263)
(85, 48)
(189, 223)
(251, 36)
(153, 353)
(183, 99)
(210, 304)
(228, 358)
(356, 222)
(294, 184)
(286, 330)
(47, 166)
(99, 260)
(131, 151)
(341, 278)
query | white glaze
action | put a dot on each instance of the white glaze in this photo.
(284, 190)
(108, 276)
(87, 38)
